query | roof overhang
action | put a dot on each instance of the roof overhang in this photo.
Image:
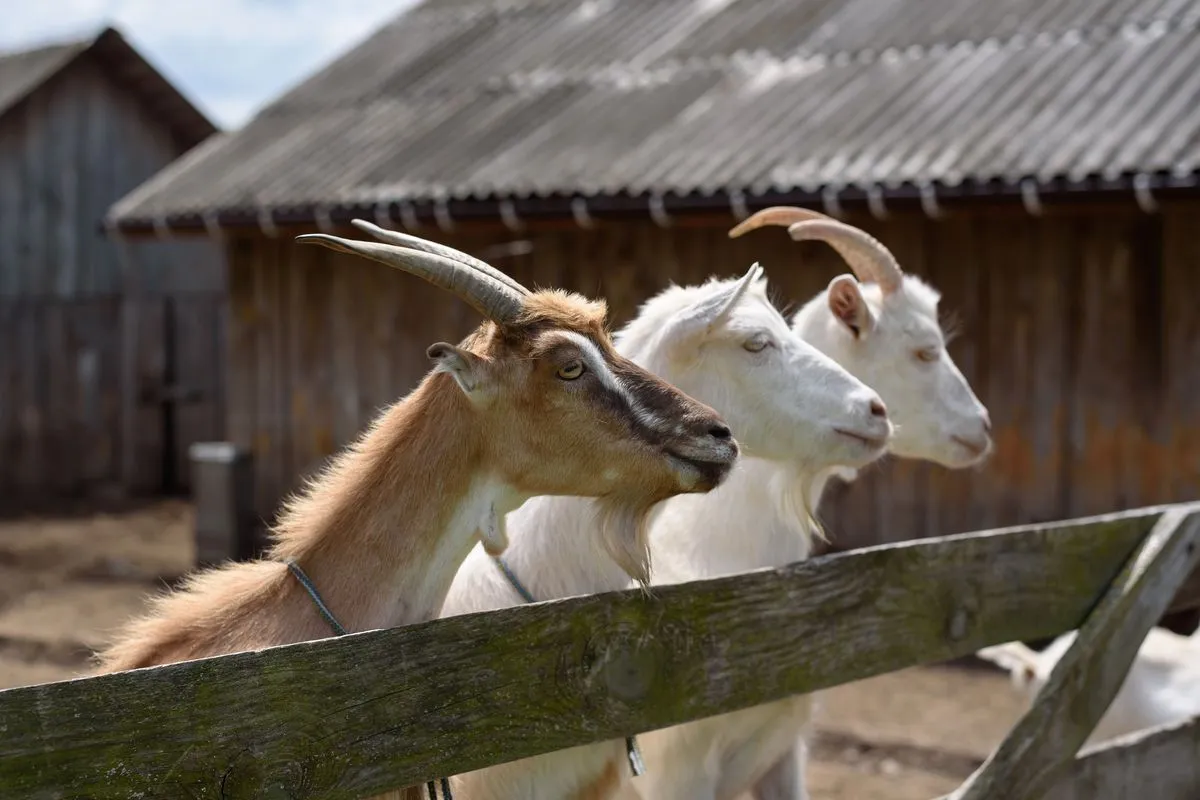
(1035, 197)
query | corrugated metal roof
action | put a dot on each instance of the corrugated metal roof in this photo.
(478, 100)
(24, 72)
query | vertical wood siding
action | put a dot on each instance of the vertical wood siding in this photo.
(81, 326)
(1079, 332)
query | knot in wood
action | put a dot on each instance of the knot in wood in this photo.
(276, 779)
(627, 666)
(960, 624)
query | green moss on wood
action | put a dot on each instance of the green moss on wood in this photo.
(344, 717)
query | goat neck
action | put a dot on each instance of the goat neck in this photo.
(380, 534)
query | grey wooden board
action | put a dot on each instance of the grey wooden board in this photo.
(1157, 764)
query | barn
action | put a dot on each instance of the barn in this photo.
(1037, 162)
(95, 332)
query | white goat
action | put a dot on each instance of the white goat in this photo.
(885, 332)
(1162, 686)
(725, 342)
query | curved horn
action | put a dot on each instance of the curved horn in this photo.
(491, 298)
(867, 256)
(417, 243)
(782, 216)
(863, 252)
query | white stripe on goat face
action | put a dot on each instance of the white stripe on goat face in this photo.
(599, 365)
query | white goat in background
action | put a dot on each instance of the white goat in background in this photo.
(727, 343)
(885, 332)
(1162, 687)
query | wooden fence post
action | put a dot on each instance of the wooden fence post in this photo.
(1042, 745)
(223, 492)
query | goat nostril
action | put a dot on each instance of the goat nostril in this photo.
(878, 409)
(720, 432)
(987, 424)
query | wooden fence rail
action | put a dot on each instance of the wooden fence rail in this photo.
(1158, 764)
(343, 717)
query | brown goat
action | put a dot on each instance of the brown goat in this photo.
(535, 401)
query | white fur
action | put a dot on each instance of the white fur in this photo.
(785, 402)
(1162, 686)
(931, 402)
(757, 519)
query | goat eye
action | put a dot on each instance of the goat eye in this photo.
(571, 371)
(757, 344)
(928, 355)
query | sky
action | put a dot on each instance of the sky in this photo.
(229, 57)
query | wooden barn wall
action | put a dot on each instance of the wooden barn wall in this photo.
(81, 324)
(1079, 333)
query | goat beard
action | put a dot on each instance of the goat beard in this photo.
(624, 526)
(793, 493)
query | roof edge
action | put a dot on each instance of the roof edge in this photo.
(145, 81)
(152, 86)
(1145, 189)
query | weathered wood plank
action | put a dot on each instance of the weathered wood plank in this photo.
(1098, 384)
(314, 329)
(364, 310)
(1057, 250)
(60, 449)
(13, 198)
(269, 429)
(31, 408)
(8, 392)
(1011, 348)
(346, 716)
(346, 316)
(198, 370)
(222, 326)
(242, 342)
(1144, 425)
(1181, 329)
(296, 376)
(1086, 679)
(60, 194)
(131, 327)
(149, 370)
(35, 265)
(1160, 763)
(94, 165)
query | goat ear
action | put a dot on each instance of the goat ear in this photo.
(701, 317)
(465, 367)
(847, 304)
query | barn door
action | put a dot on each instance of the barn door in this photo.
(181, 397)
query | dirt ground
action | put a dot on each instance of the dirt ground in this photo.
(65, 584)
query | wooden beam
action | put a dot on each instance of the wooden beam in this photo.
(1042, 745)
(1157, 764)
(344, 717)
